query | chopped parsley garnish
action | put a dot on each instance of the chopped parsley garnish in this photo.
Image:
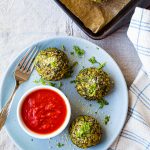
(85, 129)
(53, 64)
(73, 81)
(97, 48)
(106, 119)
(92, 60)
(102, 65)
(92, 88)
(102, 103)
(59, 145)
(36, 81)
(63, 48)
(72, 53)
(60, 84)
(74, 64)
(80, 52)
(51, 84)
(90, 105)
(41, 80)
(44, 82)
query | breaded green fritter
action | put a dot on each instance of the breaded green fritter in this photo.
(52, 64)
(85, 131)
(93, 83)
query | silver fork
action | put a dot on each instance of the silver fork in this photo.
(22, 74)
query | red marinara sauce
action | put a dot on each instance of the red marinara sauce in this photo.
(43, 111)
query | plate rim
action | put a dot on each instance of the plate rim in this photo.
(78, 39)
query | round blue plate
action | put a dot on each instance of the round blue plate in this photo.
(118, 99)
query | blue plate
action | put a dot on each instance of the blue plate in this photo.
(118, 99)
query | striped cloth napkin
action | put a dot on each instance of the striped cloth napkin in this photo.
(136, 132)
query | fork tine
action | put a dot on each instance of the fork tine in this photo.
(24, 58)
(25, 63)
(30, 63)
(31, 68)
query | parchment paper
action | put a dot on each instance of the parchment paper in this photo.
(94, 15)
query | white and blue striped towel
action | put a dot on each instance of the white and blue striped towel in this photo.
(136, 132)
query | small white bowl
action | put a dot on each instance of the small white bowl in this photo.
(49, 135)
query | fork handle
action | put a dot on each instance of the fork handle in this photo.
(5, 110)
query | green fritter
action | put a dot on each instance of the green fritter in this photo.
(85, 131)
(52, 64)
(93, 83)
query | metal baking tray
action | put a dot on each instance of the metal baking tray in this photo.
(121, 19)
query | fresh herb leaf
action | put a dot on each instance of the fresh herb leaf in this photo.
(51, 84)
(59, 145)
(72, 53)
(74, 64)
(106, 119)
(73, 81)
(53, 64)
(80, 52)
(85, 129)
(102, 103)
(92, 60)
(36, 81)
(44, 82)
(63, 48)
(60, 84)
(102, 65)
(90, 105)
(92, 88)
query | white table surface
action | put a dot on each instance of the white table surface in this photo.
(23, 22)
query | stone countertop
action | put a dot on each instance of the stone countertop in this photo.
(23, 22)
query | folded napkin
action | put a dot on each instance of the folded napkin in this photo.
(136, 132)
